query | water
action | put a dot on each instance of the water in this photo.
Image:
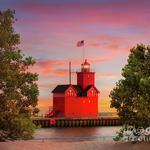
(76, 134)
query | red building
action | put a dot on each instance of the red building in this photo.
(77, 101)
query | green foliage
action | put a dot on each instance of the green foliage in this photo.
(8, 39)
(119, 135)
(21, 127)
(131, 96)
(35, 111)
(18, 89)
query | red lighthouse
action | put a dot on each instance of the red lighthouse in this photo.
(77, 101)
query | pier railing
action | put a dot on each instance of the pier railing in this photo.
(63, 122)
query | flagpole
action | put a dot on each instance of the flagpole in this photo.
(70, 72)
(81, 44)
(83, 52)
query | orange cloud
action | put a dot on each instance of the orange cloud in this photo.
(44, 104)
(49, 67)
(104, 106)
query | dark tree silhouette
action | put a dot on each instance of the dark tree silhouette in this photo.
(131, 96)
(18, 90)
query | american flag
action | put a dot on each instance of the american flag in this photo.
(80, 43)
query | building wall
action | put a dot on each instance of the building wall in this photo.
(81, 106)
(70, 105)
(85, 79)
(59, 104)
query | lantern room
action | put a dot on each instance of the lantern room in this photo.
(85, 67)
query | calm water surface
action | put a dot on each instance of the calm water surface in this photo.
(76, 134)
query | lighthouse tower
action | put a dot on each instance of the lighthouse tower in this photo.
(85, 77)
(80, 100)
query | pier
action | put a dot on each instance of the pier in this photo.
(76, 122)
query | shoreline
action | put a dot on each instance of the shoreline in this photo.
(73, 145)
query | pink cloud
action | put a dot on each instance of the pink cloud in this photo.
(50, 63)
(74, 14)
(63, 24)
(48, 68)
(107, 74)
(60, 67)
(109, 30)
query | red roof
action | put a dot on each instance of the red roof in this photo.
(85, 63)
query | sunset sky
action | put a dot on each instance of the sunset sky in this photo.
(50, 29)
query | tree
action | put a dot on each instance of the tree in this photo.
(18, 89)
(131, 96)
(35, 111)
